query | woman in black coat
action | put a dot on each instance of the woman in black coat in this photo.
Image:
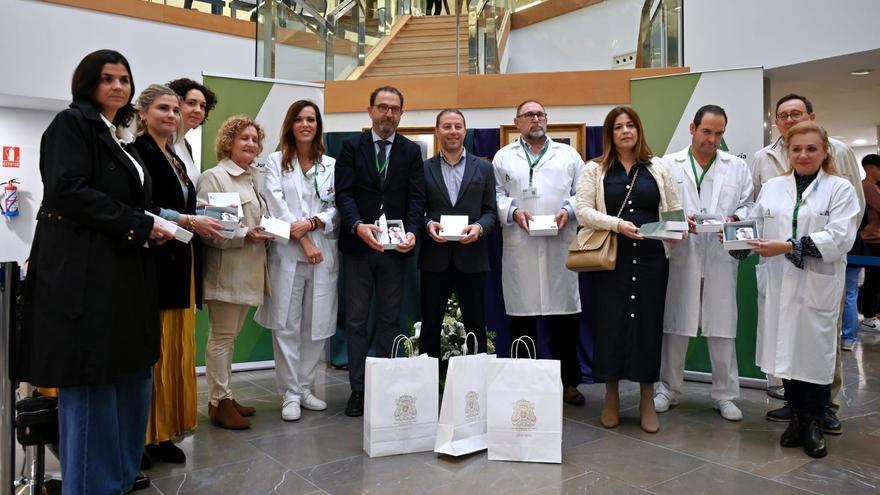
(90, 318)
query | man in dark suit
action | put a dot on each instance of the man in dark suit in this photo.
(377, 172)
(456, 183)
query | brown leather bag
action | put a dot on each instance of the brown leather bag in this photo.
(598, 251)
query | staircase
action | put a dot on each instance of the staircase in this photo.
(425, 46)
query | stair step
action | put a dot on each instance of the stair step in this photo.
(407, 54)
(424, 42)
(401, 73)
(411, 62)
(432, 32)
(420, 47)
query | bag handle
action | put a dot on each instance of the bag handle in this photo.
(476, 343)
(514, 347)
(396, 344)
(628, 192)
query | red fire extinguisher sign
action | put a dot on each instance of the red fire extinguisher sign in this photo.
(11, 156)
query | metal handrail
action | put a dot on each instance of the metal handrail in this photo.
(329, 41)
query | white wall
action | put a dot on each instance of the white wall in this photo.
(745, 33)
(585, 39)
(861, 151)
(43, 42)
(22, 128)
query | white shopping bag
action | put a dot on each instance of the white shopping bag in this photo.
(400, 404)
(524, 421)
(462, 426)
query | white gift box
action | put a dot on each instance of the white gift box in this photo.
(278, 229)
(543, 225)
(453, 225)
(180, 234)
(738, 234)
(708, 222)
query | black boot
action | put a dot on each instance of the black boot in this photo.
(814, 441)
(793, 436)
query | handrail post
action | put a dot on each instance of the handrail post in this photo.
(361, 13)
(269, 12)
(491, 44)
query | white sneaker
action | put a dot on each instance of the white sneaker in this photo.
(662, 403)
(290, 411)
(870, 324)
(312, 403)
(728, 410)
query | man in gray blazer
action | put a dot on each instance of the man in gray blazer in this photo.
(456, 183)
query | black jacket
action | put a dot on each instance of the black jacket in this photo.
(359, 192)
(476, 199)
(90, 313)
(173, 259)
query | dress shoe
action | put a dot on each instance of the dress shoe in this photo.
(290, 410)
(571, 395)
(355, 405)
(244, 411)
(781, 415)
(830, 424)
(728, 410)
(776, 392)
(312, 403)
(166, 452)
(662, 403)
(814, 442)
(793, 436)
(226, 416)
(140, 483)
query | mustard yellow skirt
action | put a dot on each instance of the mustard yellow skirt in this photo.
(173, 410)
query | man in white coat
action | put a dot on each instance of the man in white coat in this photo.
(536, 176)
(772, 161)
(701, 292)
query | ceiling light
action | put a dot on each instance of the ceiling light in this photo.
(861, 72)
(860, 142)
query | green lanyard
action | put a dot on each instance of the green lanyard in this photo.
(699, 178)
(315, 178)
(381, 168)
(794, 216)
(534, 164)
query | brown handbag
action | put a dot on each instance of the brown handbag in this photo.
(598, 251)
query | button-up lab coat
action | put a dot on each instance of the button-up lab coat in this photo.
(798, 308)
(534, 278)
(285, 203)
(701, 291)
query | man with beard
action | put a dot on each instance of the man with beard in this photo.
(537, 176)
(379, 172)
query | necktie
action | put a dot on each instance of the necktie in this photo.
(381, 159)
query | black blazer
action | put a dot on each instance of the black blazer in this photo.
(359, 192)
(173, 259)
(476, 199)
(90, 314)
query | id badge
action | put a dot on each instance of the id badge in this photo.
(530, 193)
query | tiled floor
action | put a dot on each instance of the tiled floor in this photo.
(695, 451)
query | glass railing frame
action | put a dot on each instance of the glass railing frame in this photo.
(329, 41)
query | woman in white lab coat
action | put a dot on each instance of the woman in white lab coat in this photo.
(807, 220)
(301, 310)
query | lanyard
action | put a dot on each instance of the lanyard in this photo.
(534, 164)
(315, 164)
(794, 216)
(699, 178)
(381, 168)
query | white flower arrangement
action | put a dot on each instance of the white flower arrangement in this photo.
(452, 334)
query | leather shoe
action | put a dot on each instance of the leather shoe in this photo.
(571, 395)
(355, 405)
(830, 424)
(793, 436)
(777, 392)
(244, 411)
(166, 452)
(814, 442)
(781, 415)
(140, 483)
(226, 416)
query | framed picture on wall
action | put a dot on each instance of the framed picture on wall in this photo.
(574, 135)
(423, 136)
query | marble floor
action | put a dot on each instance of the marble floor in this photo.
(695, 452)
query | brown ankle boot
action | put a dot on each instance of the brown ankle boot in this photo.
(244, 411)
(225, 416)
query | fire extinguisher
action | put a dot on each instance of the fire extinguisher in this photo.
(9, 205)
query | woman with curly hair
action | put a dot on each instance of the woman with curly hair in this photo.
(242, 281)
(196, 102)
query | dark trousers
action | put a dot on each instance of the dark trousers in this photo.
(870, 293)
(102, 431)
(564, 331)
(806, 398)
(436, 287)
(435, 4)
(381, 273)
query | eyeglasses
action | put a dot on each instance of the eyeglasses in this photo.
(383, 108)
(795, 115)
(533, 115)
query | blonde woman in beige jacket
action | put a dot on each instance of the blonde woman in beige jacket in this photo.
(235, 269)
(627, 302)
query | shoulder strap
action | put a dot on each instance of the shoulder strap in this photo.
(629, 191)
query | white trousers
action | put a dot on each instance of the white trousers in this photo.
(226, 321)
(722, 355)
(296, 354)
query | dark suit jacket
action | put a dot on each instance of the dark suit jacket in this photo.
(90, 314)
(174, 260)
(476, 199)
(359, 192)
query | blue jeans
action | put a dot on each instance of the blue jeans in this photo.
(850, 310)
(102, 428)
